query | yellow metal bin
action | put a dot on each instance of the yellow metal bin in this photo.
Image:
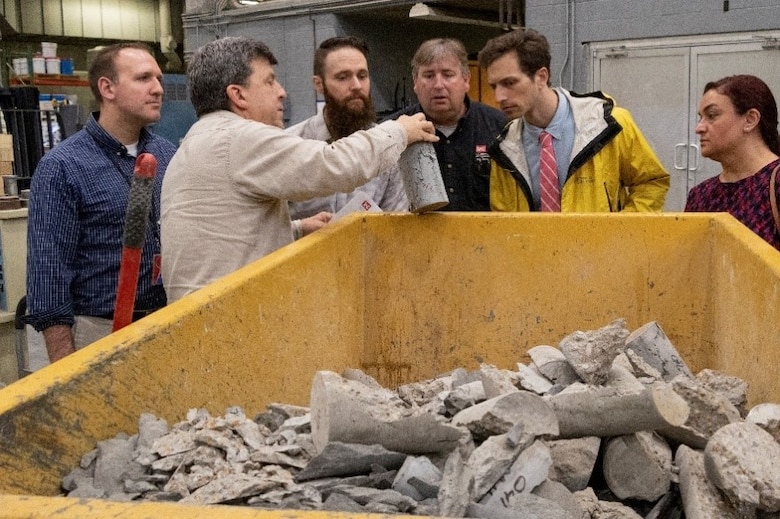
(403, 297)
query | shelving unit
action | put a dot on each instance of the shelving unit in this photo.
(49, 80)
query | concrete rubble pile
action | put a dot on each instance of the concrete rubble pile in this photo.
(609, 424)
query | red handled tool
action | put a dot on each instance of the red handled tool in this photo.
(137, 215)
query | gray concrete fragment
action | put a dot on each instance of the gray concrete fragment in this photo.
(591, 353)
(463, 396)
(357, 375)
(455, 489)
(229, 487)
(269, 455)
(651, 344)
(88, 459)
(524, 506)
(496, 381)
(701, 498)
(499, 414)
(552, 364)
(338, 502)
(370, 497)
(115, 462)
(297, 424)
(573, 461)
(78, 477)
(149, 429)
(421, 393)
(640, 368)
(231, 444)
(603, 509)
(638, 466)
(342, 412)
(733, 388)
(532, 380)
(490, 461)
(742, 460)
(709, 411)
(349, 459)
(174, 442)
(766, 416)
(560, 495)
(582, 413)
(425, 475)
(426, 489)
(528, 470)
(250, 432)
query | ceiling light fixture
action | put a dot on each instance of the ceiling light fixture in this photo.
(422, 11)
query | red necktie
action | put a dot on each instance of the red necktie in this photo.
(548, 175)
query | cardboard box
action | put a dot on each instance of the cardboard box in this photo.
(6, 168)
(6, 148)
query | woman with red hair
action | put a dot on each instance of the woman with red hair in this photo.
(738, 128)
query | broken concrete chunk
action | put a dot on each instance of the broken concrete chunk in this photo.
(741, 459)
(528, 470)
(651, 344)
(499, 414)
(573, 461)
(603, 509)
(173, 443)
(416, 473)
(357, 375)
(420, 393)
(227, 488)
(701, 498)
(526, 506)
(490, 461)
(582, 413)
(370, 497)
(766, 416)
(345, 459)
(496, 381)
(638, 466)
(149, 429)
(639, 367)
(552, 363)
(115, 462)
(337, 502)
(344, 412)
(463, 396)
(560, 495)
(733, 388)
(455, 489)
(532, 380)
(709, 411)
(591, 353)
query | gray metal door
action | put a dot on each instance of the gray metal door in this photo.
(661, 81)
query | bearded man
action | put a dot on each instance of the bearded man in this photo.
(341, 77)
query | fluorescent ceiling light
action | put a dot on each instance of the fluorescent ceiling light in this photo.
(425, 12)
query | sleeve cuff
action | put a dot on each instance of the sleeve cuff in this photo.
(297, 228)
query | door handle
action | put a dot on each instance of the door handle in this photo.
(677, 155)
(695, 166)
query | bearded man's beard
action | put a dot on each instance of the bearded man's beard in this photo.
(343, 119)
